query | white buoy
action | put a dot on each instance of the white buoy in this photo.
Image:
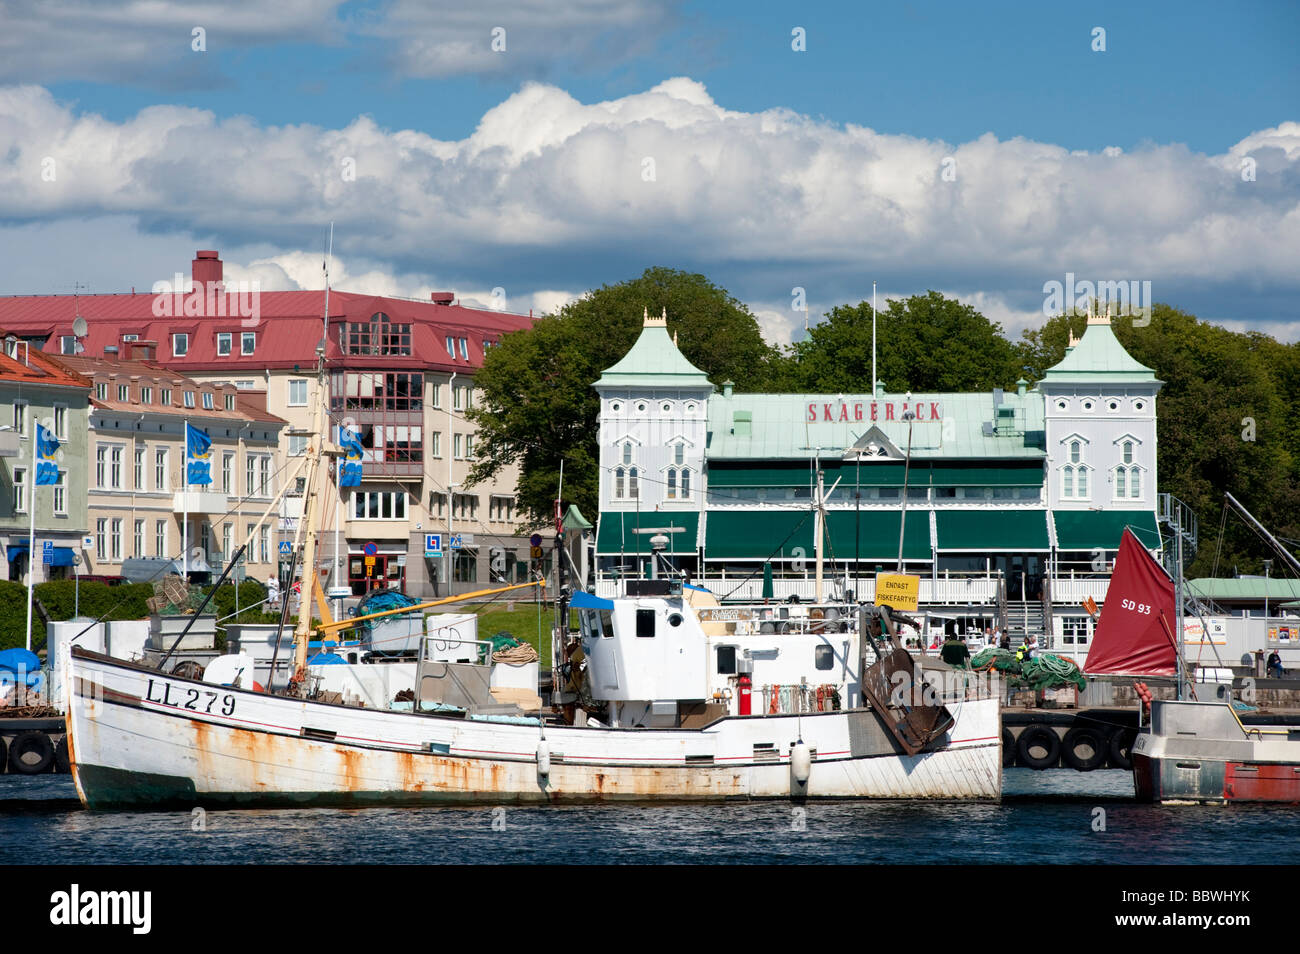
(543, 758)
(800, 762)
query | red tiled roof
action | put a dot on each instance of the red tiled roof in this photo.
(35, 367)
(158, 377)
(288, 328)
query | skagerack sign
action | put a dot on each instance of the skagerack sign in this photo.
(869, 410)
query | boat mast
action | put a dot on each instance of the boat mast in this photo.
(311, 502)
(1178, 610)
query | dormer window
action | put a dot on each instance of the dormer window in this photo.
(666, 407)
(1062, 404)
(1112, 405)
(616, 406)
(1088, 405)
(640, 407)
(224, 339)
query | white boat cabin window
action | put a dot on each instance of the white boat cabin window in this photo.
(823, 657)
(645, 622)
(596, 622)
(726, 660)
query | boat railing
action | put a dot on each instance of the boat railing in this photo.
(766, 620)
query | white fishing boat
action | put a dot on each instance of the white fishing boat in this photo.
(672, 677)
(654, 698)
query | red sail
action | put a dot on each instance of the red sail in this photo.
(1135, 634)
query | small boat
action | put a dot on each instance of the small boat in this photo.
(1194, 750)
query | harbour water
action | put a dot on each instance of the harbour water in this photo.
(1055, 817)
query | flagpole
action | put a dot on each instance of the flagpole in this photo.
(31, 532)
(873, 340)
(185, 505)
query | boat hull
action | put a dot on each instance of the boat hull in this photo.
(141, 739)
(1201, 752)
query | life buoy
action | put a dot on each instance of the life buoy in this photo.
(31, 742)
(1008, 748)
(1038, 737)
(1081, 739)
(62, 763)
(1121, 745)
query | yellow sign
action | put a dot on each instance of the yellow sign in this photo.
(370, 561)
(898, 591)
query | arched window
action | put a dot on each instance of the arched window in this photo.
(618, 484)
(1120, 474)
(1067, 481)
(686, 485)
(627, 452)
(1128, 452)
(1076, 450)
(679, 454)
(632, 491)
(1083, 483)
(1134, 485)
(672, 484)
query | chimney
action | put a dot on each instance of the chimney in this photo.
(142, 350)
(442, 298)
(206, 268)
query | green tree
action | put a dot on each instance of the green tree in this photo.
(536, 402)
(916, 349)
(1227, 421)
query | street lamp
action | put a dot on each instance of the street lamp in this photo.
(1268, 565)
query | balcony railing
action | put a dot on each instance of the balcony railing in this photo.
(952, 591)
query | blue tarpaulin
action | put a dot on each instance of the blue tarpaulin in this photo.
(15, 663)
(326, 659)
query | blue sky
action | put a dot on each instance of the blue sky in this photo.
(821, 168)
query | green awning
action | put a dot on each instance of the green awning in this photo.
(876, 474)
(992, 530)
(758, 534)
(800, 476)
(1101, 530)
(951, 475)
(875, 532)
(618, 531)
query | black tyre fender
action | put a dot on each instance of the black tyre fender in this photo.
(4, 754)
(32, 741)
(62, 763)
(1038, 736)
(1079, 737)
(1121, 744)
(1008, 748)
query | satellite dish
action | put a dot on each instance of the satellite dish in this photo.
(79, 327)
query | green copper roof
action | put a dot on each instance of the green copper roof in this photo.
(654, 361)
(1098, 357)
(1248, 588)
